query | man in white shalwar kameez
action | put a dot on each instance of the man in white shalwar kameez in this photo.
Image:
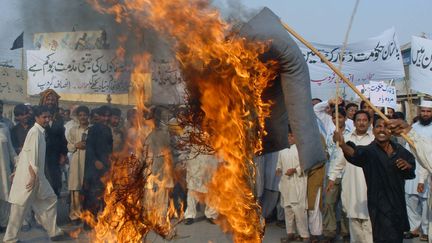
(417, 189)
(354, 189)
(30, 187)
(293, 187)
(7, 159)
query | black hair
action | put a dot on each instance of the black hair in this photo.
(361, 112)
(38, 110)
(103, 110)
(82, 108)
(376, 118)
(350, 105)
(116, 112)
(93, 112)
(341, 111)
(399, 115)
(318, 99)
(20, 110)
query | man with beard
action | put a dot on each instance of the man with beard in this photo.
(386, 165)
(56, 143)
(99, 146)
(417, 190)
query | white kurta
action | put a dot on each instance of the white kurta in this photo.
(422, 175)
(33, 153)
(7, 157)
(77, 163)
(293, 188)
(354, 189)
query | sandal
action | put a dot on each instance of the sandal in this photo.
(424, 238)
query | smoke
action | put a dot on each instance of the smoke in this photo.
(234, 11)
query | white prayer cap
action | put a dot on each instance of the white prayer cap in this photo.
(426, 103)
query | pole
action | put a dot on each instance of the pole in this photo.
(340, 74)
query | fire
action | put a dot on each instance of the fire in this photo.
(224, 79)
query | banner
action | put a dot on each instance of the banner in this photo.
(77, 40)
(10, 58)
(92, 71)
(420, 69)
(383, 95)
(12, 85)
(377, 58)
(167, 85)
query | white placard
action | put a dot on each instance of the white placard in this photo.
(383, 95)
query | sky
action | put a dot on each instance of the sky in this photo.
(319, 21)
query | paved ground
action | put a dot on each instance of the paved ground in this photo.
(199, 232)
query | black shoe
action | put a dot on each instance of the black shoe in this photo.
(210, 220)
(25, 228)
(188, 221)
(61, 237)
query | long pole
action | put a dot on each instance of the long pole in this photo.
(340, 74)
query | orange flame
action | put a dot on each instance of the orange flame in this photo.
(225, 79)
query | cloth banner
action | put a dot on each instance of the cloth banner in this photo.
(77, 40)
(377, 58)
(420, 69)
(10, 58)
(12, 85)
(91, 71)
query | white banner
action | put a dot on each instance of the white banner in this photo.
(383, 95)
(12, 84)
(77, 40)
(377, 58)
(420, 69)
(79, 72)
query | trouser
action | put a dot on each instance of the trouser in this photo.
(315, 217)
(331, 201)
(75, 205)
(54, 175)
(4, 213)
(360, 230)
(298, 214)
(417, 210)
(191, 211)
(429, 202)
(45, 209)
(270, 201)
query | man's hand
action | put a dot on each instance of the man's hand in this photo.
(398, 126)
(403, 164)
(31, 184)
(338, 137)
(278, 172)
(420, 188)
(99, 165)
(330, 185)
(80, 145)
(333, 101)
(62, 159)
(290, 171)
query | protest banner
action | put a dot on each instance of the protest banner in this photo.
(377, 58)
(91, 72)
(77, 40)
(12, 85)
(420, 69)
(382, 94)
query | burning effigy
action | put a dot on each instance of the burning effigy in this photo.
(241, 85)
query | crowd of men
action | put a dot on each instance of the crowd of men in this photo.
(371, 189)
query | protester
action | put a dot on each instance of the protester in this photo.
(20, 130)
(320, 110)
(99, 146)
(30, 187)
(117, 130)
(351, 109)
(293, 186)
(354, 190)
(7, 161)
(56, 143)
(77, 146)
(386, 166)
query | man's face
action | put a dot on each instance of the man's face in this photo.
(361, 123)
(43, 119)
(351, 111)
(23, 118)
(341, 119)
(368, 109)
(104, 118)
(115, 121)
(425, 116)
(67, 114)
(382, 134)
(291, 139)
(50, 101)
(83, 118)
(390, 112)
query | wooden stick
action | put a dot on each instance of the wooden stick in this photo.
(342, 76)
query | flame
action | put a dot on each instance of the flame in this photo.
(225, 80)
